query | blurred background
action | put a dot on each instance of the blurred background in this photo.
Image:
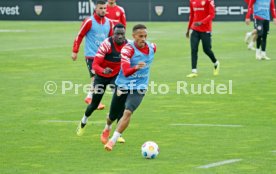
(136, 10)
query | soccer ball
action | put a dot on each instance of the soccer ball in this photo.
(150, 150)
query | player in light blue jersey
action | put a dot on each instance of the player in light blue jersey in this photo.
(261, 12)
(95, 29)
(131, 83)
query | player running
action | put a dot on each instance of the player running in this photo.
(95, 29)
(131, 83)
(106, 65)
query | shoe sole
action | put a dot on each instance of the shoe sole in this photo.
(121, 142)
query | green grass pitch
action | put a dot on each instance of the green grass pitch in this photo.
(34, 141)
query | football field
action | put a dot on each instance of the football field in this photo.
(199, 128)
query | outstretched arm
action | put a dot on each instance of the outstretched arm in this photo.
(85, 27)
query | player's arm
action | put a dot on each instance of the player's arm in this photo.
(191, 20)
(154, 47)
(85, 27)
(211, 15)
(249, 11)
(104, 49)
(126, 54)
(111, 29)
(123, 17)
(273, 11)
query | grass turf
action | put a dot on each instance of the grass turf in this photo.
(40, 51)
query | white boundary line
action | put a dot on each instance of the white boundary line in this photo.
(220, 163)
(210, 125)
(11, 31)
(273, 151)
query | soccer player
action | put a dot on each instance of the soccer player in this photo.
(261, 14)
(131, 83)
(250, 37)
(115, 13)
(95, 29)
(106, 65)
(200, 22)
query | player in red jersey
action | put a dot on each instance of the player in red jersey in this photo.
(250, 37)
(115, 13)
(106, 65)
(95, 29)
(201, 16)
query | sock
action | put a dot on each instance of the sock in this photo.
(108, 127)
(89, 94)
(115, 136)
(84, 121)
(194, 70)
(263, 53)
(216, 64)
(258, 53)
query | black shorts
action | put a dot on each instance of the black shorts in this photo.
(100, 83)
(125, 100)
(262, 26)
(89, 63)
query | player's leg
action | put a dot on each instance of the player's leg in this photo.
(264, 40)
(259, 27)
(247, 37)
(119, 114)
(89, 96)
(115, 111)
(194, 42)
(90, 92)
(133, 101)
(207, 48)
(252, 40)
(99, 89)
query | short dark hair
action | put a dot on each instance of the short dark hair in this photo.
(119, 25)
(102, 2)
(138, 26)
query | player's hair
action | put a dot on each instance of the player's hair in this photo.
(102, 2)
(138, 26)
(119, 25)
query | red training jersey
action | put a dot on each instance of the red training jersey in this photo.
(116, 14)
(85, 27)
(126, 54)
(201, 11)
(101, 60)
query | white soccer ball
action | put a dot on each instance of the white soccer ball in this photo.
(150, 150)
